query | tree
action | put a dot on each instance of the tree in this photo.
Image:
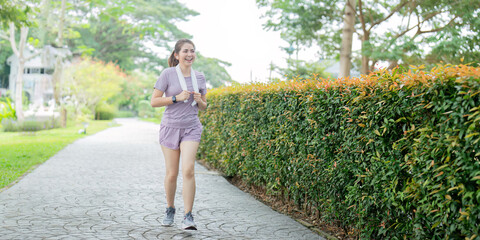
(5, 53)
(347, 38)
(57, 73)
(117, 31)
(88, 82)
(124, 31)
(111, 41)
(137, 86)
(20, 54)
(214, 70)
(10, 12)
(395, 31)
(303, 70)
(12, 16)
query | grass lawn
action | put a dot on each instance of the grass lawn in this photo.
(22, 152)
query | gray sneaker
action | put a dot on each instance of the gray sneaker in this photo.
(188, 223)
(169, 217)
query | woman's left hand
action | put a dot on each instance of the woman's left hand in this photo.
(197, 97)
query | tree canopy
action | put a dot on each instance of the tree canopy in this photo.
(90, 82)
(126, 34)
(12, 11)
(214, 70)
(396, 31)
(116, 30)
(129, 33)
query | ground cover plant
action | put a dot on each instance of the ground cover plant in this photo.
(21, 152)
(391, 155)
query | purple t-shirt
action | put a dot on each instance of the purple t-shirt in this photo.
(180, 114)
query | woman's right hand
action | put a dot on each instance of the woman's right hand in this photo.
(184, 95)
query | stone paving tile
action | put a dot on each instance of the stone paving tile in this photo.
(110, 186)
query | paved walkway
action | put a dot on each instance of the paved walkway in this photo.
(110, 186)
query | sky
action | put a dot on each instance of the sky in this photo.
(232, 31)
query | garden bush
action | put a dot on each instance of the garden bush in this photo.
(158, 113)
(9, 125)
(391, 155)
(145, 109)
(6, 109)
(30, 124)
(104, 111)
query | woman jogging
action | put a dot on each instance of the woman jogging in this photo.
(180, 130)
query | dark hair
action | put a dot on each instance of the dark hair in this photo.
(172, 62)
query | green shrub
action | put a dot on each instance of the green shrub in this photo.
(71, 112)
(104, 111)
(145, 110)
(6, 109)
(392, 155)
(158, 112)
(33, 126)
(30, 124)
(9, 125)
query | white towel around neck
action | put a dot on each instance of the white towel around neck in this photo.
(183, 84)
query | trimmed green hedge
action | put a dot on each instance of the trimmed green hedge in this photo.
(30, 124)
(393, 155)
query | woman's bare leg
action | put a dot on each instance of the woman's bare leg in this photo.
(172, 159)
(189, 152)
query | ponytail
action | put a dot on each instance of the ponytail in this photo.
(172, 61)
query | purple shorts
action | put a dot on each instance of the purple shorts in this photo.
(172, 137)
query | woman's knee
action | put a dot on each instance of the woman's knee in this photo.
(188, 172)
(171, 177)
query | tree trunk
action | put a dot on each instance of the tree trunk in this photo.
(57, 74)
(56, 79)
(21, 66)
(347, 39)
(393, 64)
(365, 59)
(19, 91)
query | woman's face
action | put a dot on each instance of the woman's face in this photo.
(186, 56)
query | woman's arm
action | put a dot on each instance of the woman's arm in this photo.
(158, 100)
(201, 101)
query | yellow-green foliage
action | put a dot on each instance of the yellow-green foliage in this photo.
(390, 155)
(104, 111)
(90, 81)
(6, 110)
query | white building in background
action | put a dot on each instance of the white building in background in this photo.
(37, 75)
